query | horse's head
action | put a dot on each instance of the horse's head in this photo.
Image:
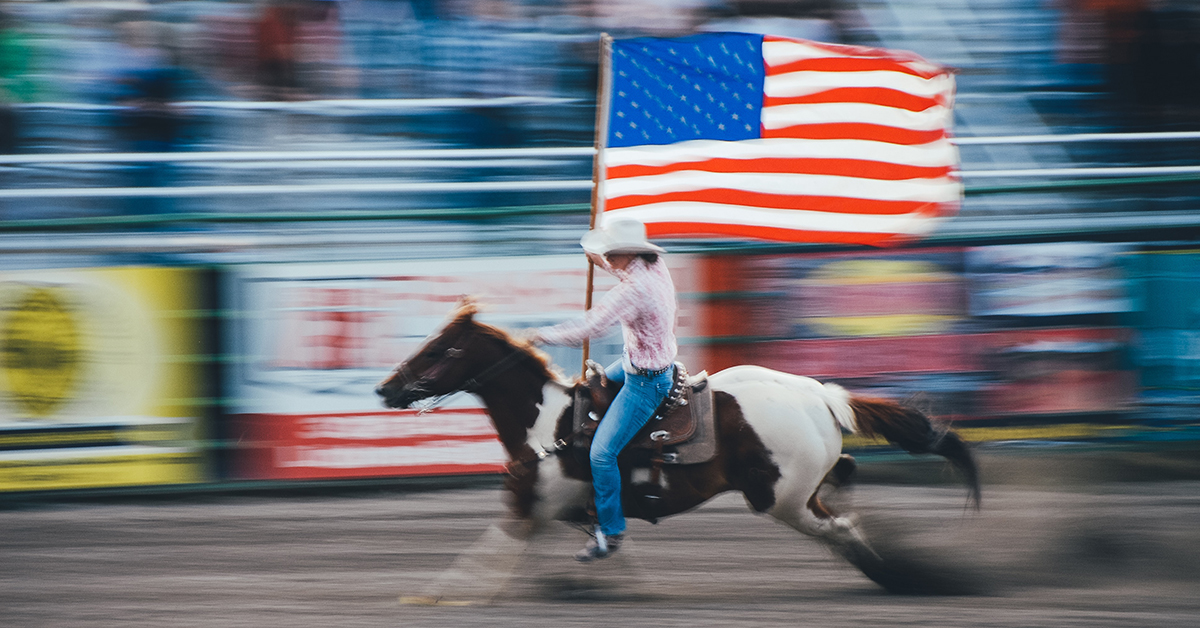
(464, 355)
(441, 366)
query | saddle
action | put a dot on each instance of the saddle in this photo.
(681, 430)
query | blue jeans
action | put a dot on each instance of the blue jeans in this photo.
(638, 399)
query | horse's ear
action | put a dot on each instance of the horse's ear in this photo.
(466, 307)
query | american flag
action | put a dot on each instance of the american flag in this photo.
(752, 136)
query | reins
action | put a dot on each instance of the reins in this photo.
(515, 467)
(519, 466)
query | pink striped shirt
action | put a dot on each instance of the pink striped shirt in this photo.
(643, 302)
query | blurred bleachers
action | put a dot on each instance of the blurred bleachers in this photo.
(394, 74)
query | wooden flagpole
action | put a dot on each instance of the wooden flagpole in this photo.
(603, 96)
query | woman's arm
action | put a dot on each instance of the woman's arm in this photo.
(595, 322)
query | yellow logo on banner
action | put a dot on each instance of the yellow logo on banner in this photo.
(41, 351)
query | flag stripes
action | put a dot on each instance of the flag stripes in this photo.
(829, 166)
(834, 204)
(874, 95)
(852, 145)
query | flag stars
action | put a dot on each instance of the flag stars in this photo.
(683, 90)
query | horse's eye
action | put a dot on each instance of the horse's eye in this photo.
(454, 352)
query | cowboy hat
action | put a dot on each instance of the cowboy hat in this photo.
(619, 236)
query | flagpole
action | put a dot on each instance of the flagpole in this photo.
(603, 97)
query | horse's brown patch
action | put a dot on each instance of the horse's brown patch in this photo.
(465, 315)
(748, 464)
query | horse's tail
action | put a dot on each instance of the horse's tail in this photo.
(911, 430)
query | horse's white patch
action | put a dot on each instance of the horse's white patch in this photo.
(797, 419)
(555, 399)
(555, 492)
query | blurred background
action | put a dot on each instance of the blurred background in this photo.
(221, 222)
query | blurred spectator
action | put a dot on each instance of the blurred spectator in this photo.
(1169, 60)
(276, 34)
(1125, 32)
(319, 50)
(15, 83)
(148, 87)
(299, 50)
(662, 18)
(149, 83)
(228, 52)
(1149, 51)
(384, 36)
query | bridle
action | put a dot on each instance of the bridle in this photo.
(420, 386)
(516, 467)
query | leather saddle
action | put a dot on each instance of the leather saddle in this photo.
(681, 431)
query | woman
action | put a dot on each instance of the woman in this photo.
(644, 303)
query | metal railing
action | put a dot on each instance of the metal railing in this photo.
(518, 158)
(518, 165)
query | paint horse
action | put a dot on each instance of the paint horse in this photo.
(779, 436)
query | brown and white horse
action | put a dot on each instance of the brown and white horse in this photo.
(779, 436)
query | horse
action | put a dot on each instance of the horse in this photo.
(779, 436)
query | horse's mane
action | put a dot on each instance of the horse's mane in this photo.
(465, 315)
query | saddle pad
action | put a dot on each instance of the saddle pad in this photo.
(702, 447)
(688, 432)
(690, 428)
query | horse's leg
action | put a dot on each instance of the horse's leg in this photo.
(804, 511)
(798, 504)
(483, 570)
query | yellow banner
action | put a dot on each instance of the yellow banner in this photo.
(101, 472)
(1064, 431)
(96, 358)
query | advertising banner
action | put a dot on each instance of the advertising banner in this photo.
(1058, 371)
(1062, 279)
(997, 332)
(101, 378)
(313, 340)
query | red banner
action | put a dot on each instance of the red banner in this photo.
(366, 444)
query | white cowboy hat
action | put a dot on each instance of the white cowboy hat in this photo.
(619, 236)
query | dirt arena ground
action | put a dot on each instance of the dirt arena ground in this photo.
(1076, 549)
